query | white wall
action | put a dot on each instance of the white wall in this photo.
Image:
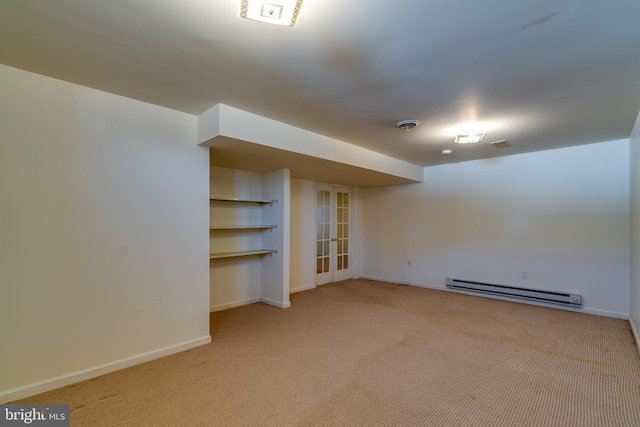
(303, 238)
(275, 270)
(560, 215)
(103, 233)
(634, 295)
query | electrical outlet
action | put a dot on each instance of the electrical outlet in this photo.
(524, 275)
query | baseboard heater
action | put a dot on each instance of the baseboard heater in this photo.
(573, 300)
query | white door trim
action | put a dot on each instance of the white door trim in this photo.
(330, 242)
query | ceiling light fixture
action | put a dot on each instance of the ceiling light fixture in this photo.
(279, 12)
(469, 138)
(407, 125)
(471, 132)
(447, 152)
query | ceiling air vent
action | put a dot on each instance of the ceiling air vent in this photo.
(501, 144)
(407, 125)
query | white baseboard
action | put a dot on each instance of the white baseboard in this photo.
(587, 310)
(248, 301)
(85, 374)
(303, 288)
(634, 331)
(221, 307)
(404, 282)
(275, 303)
(598, 312)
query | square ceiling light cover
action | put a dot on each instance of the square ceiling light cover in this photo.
(279, 12)
(469, 138)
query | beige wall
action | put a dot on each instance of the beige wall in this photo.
(104, 220)
(560, 215)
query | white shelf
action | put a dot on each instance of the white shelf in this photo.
(240, 253)
(244, 227)
(238, 200)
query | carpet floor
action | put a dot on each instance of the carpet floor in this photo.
(366, 353)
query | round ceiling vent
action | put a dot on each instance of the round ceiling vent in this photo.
(407, 125)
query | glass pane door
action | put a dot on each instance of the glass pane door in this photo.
(333, 233)
(323, 233)
(343, 223)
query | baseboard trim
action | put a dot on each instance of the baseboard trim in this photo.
(634, 331)
(240, 303)
(303, 288)
(247, 302)
(404, 282)
(275, 303)
(587, 310)
(85, 374)
(603, 313)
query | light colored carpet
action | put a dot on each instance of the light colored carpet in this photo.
(364, 353)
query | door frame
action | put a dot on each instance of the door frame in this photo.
(352, 234)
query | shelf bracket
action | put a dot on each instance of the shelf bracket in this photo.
(273, 252)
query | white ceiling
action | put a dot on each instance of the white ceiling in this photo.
(543, 73)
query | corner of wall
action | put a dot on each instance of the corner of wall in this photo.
(209, 124)
(634, 221)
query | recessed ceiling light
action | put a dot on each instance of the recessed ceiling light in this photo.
(279, 12)
(407, 125)
(447, 151)
(469, 138)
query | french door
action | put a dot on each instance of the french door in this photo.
(334, 213)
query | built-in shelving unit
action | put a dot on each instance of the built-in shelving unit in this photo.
(241, 253)
(258, 227)
(249, 231)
